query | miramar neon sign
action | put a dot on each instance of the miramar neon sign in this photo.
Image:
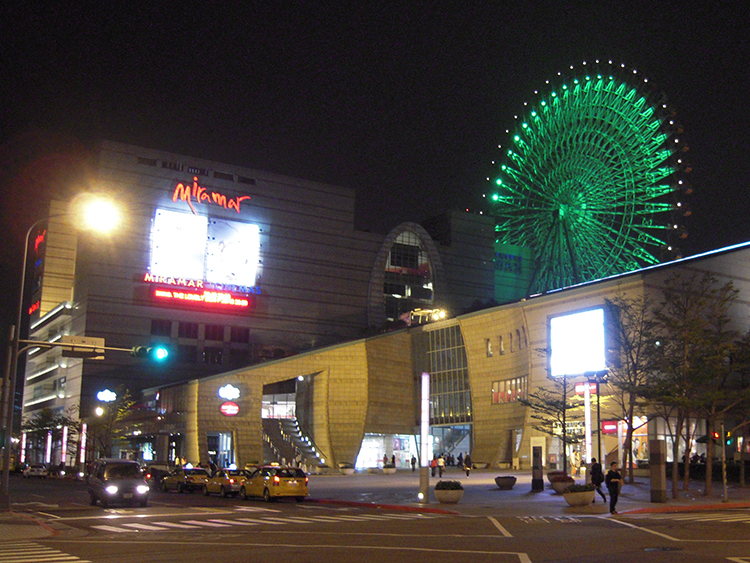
(198, 194)
(198, 284)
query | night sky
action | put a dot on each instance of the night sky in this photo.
(405, 102)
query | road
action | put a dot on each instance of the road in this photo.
(191, 527)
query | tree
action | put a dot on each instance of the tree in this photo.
(110, 428)
(47, 420)
(690, 354)
(550, 407)
(632, 329)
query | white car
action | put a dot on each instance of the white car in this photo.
(36, 470)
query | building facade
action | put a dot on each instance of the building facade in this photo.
(227, 267)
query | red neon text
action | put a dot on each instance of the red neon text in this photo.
(39, 240)
(215, 297)
(34, 307)
(229, 408)
(188, 193)
(166, 280)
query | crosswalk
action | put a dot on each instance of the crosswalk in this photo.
(258, 519)
(727, 516)
(30, 552)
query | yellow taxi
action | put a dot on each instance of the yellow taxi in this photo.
(273, 481)
(184, 479)
(226, 482)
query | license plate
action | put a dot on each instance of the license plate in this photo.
(127, 495)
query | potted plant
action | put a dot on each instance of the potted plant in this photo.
(389, 469)
(449, 492)
(561, 482)
(346, 468)
(505, 482)
(579, 495)
(554, 473)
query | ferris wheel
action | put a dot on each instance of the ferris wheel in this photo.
(591, 181)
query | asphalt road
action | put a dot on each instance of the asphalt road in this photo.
(190, 527)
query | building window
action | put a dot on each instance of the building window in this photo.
(188, 330)
(239, 357)
(187, 354)
(518, 339)
(240, 334)
(488, 347)
(510, 341)
(161, 327)
(215, 332)
(501, 347)
(509, 390)
(212, 356)
(523, 333)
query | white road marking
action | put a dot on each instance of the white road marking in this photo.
(500, 527)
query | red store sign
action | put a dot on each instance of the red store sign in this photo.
(229, 408)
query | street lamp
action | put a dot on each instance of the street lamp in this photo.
(96, 213)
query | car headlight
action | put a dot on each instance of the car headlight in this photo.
(141, 489)
(111, 490)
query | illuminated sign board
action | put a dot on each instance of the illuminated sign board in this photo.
(229, 392)
(577, 343)
(204, 260)
(229, 408)
(212, 297)
(198, 194)
(609, 427)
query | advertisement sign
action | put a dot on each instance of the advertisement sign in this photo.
(229, 408)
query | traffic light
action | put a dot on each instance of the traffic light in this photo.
(715, 435)
(155, 353)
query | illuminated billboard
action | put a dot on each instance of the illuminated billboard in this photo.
(211, 260)
(577, 343)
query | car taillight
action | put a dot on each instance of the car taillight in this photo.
(276, 480)
(231, 481)
(148, 475)
(306, 480)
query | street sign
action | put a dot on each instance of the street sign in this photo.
(89, 347)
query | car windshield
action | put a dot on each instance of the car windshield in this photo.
(197, 472)
(123, 471)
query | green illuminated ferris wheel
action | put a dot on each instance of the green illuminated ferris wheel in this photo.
(591, 180)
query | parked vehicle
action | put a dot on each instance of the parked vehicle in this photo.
(182, 480)
(272, 482)
(117, 481)
(36, 470)
(226, 482)
(154, 473)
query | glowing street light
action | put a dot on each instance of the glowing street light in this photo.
(97, 213)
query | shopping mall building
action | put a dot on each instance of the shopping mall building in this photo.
(294, 336)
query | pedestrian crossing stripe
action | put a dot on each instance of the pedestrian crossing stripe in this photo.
(13, 552)
(724, 516)
(246, 521)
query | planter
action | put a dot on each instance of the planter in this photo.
(579, 499)
(347, 470)
(553, 474)
(505, 482)
(480, 465)
(389, 470)
(449, 496)
(560, 485)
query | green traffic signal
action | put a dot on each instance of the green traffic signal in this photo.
(155, 353)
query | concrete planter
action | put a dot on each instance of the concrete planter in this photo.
(583, 498)
(560, 486)
(451, 496)
(505, 482)
(389, 470)
(347, 470)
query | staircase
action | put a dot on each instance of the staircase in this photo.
(283, 439)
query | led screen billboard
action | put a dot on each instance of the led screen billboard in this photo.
(224, 254)
(577, 343)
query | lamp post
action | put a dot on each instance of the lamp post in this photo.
(99, 214)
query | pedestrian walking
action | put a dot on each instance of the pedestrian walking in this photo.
(613, 480)
(413, 464)
(433, 466)
(467, 464)
(441, 465)
(597, 478)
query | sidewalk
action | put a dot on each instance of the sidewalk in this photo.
(481, 498)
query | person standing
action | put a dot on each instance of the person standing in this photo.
(597, 478)
(613, 480)
(413, 464)
(467, 464)
(441, 465)
(433, 466)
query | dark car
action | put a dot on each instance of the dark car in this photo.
(117, 481)
(185, 479)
